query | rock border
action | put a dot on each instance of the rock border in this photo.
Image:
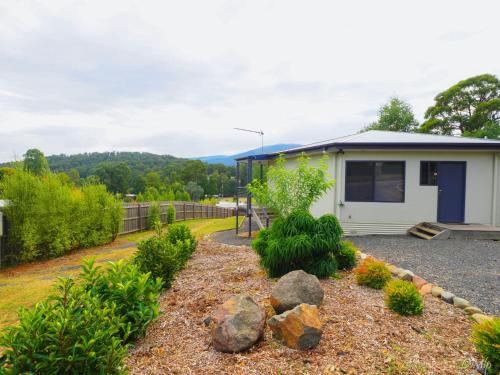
(424, 287)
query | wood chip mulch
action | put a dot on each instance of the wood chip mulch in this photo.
(360, 335)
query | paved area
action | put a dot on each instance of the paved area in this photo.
(229, 237)
(468, 268)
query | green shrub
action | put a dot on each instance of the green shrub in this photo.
(153, 215)
(259, 244)
(181, 232)
(300, 242)
(170, 214)
(159, 257)
(372, 273)
(75, 332)
(135, 294)
(403, 297)
(486, 338)
(164, 255)
(346, 255)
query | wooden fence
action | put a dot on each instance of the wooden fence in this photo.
(135, 215)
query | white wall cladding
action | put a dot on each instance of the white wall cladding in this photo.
(420, 201)
(359, 229)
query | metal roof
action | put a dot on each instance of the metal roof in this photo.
(377, 139)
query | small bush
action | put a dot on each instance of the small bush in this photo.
(170, 214)
(153, 215)
(181, 232)
(135, 294)
(486, 338)
(259, 244)
(403, 297)
(164, 255)
(299, 241)
(158, 256)
(346, 256)
(74, 332)
(372, 273)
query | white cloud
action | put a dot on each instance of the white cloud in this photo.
(176, 77)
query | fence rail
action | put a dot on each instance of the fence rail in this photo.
(135, 217)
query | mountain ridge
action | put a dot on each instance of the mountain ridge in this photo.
(229, 159)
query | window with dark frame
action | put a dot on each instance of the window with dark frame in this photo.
(428, 173)
(375, 181)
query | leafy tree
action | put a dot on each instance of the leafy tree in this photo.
(74, 175)
(138, 184)
(194, 190)
(288, 190)
(471, 107)
(397, 115)
(153, 179)
(115, 176)
(35, 162)
(195, 171)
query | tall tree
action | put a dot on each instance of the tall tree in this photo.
(116, 177)
(153, 179)
(195, 171)
(194, 190)
(35, 162)
(397, 115)
(471, 107)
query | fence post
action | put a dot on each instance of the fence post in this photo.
(139, 219)
(184, 210)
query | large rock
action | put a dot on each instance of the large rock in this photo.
(460, 302)
(237, 324)
(299, 328)
(294, 288)
(447, 296)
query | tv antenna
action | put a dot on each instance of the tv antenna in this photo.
(260, 132)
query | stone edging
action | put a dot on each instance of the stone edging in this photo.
(424, 288)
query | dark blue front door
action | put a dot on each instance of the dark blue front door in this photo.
(451, 192)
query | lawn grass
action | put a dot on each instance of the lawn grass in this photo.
(27, 284)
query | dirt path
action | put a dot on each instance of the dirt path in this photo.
(360, 335)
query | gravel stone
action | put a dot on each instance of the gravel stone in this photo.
(468, 268)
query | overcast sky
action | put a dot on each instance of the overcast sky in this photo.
(176, 76)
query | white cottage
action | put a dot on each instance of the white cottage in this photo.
(387, 182)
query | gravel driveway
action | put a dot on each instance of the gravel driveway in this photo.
(467, 268)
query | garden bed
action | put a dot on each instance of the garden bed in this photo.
(361, 336)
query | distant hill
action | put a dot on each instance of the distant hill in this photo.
(141, 162)
(229, 159)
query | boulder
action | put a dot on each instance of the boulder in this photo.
(394, 270)
(406, 275)
(447, 296)
(237, 324)
(460, 302)
(294, 288)
(437, 291)
(426, 289)
(473, 310)
(419, 282)
(299, 328)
